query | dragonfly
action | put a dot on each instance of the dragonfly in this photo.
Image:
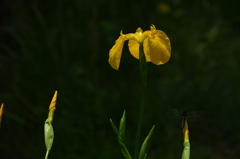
(184, 114)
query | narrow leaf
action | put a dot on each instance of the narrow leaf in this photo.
(114, 127)
(123, 148)
(122, 126)
(146, 145)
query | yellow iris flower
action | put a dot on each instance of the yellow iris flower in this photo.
(156, 46)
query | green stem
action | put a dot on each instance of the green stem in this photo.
(46, 156)
(143, 75)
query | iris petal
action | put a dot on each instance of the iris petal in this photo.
(134, 49)
(133, 46)
(146, 50)
(115, 53)
(158, 47)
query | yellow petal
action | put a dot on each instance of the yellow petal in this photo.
(53, 102)
(138, 35)
(1, 111)
(133, 46)
(158, 47)
(146, 50)
(134, 49)
(116, 52)
(139, 30)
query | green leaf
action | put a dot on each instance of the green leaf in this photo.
(146, 145)
(186, 150)
(114, 127)
(48, 134)
(122, 126)
(123, 148)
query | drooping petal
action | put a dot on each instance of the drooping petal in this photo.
(116, 52)
(158, 47)
(133, 46)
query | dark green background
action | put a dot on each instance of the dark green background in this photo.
(63, 45)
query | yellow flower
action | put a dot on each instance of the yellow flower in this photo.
(156, 46)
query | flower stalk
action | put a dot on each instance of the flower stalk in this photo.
(143, 75)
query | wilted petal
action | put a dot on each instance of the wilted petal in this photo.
(116, 52)
(158, 47)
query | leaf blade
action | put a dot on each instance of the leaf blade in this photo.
(123, 148)
(122, 126)
(146, 145)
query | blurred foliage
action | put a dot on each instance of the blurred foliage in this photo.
(63, 45)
